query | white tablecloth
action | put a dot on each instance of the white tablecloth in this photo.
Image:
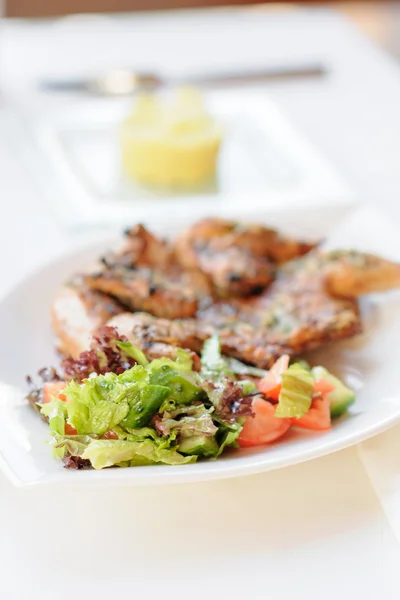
(310, 531)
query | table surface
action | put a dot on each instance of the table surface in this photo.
(276, 534)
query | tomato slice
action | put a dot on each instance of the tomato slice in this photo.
(264, 427)
(318, 417)
(323, 386)
(69, 430)
(52, 389)
(270, 384)
(109, 435)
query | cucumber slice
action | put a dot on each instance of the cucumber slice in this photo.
(200, 445)
(341, 397)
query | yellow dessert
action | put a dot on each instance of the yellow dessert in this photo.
(170, 142)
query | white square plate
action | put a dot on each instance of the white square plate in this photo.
(368, 363)
(264, 163)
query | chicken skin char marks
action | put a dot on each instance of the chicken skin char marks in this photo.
(145, 289)
(235, 259)
(305, 297)
(296, 314)
(213, 258)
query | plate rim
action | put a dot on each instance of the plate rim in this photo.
(120, 477)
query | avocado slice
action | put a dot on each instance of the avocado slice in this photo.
(182, 391)
(201, 445)
(145, 406)
(341, 397)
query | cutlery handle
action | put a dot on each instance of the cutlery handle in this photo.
(133, 82)
(277, 73)
(64, 85)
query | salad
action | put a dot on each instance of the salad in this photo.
(112, 407)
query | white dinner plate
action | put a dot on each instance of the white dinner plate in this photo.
(367, 363)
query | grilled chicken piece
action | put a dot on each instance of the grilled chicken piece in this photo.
(352, 274)
(140, 331)
(180, 332)
(225, 271)
(258, 240)
(233, 271)
(297, 313)
(141, 248)
(299, 310)
(239, 340)
(237, 259)
(76, 314)
(312, 299)
(147, 290)
(143, 275)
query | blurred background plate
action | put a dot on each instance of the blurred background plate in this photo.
(264, 163)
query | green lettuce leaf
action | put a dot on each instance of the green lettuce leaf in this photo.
(188, 421)
(247, 386)
(56, 412)
(239, 368)
(213, 366)
(58, 452)
(296, 393)
(133, 352)
(138, 375)
(304, 364)
(111, 387)
(96, 406)
(228, 434)
(108, 453)
(136, 435)
(74, 445)
(102, 402)
(182, 364)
